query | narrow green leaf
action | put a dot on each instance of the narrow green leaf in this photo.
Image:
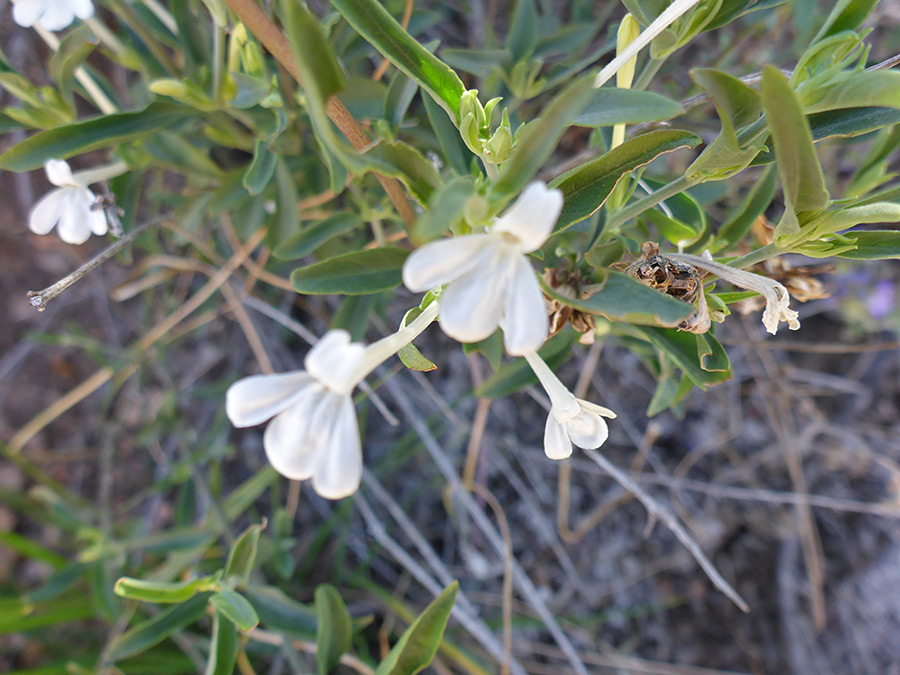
(587, 187)
(877, 88)
(74, 48)
(456, 155)
(625, 299)
(145, 635)
(798, 166)
(261, 169)
(355, 273)
(223, 647)
(730, 10)
(682, 349)
(315, 234)
(478, 62)
(418, 645)
(287, 219)
(712, 355)
(315, 55)
(100, 132)
(845, 15)
(382, 31)
(875, 245)
(523, 31)
(163, 591)
(242, 555)
(610, 105)
(537, 141)
(335, 630)
(280, 613)
(236, 608)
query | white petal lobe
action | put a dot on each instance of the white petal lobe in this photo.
(335, 360)
(46, 213)
(525, 322)
(556, 441)
(440, 262)
(289, 440)
(532, 217)
(255, 399)
(471, 306)
(339, 466)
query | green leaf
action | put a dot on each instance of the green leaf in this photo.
(798, 166)
(682, 348)
(261, 169)
(877, 88)
(456, 155)
(523, 31)
(353, 315)
(287, 219)
(315, 234)
(712, 355)
(383, 32)
(247, 90)
(539, 139)
(738, 106)
(318, 65)
(517, 374)
(145, 635)
(335, 629)
(74, 48)
(587, 187)
(100, 132)
(847, 15)
(413, 359)
(445, 210)
(223, 647)
(610, 105)
(280, 613)
(625, 299)
(478, 62)
(418, 645)
(742, 218)
(236, 608)
(730, 10)
(242, 555)
(163, 591)
(875, 245)
(355, 273)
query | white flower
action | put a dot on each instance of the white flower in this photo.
(489, 280)
(51, 14)
(776, 295)
(313, 432)
(70, 205)
(571, 420)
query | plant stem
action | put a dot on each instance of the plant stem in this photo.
(218, 58)
(650, 69)
(619, 218)
(256, 21)
(755, 257)
(163, 15)
(379, 352)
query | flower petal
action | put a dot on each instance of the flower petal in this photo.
(597, 409)
(74, 225)
(556, 441)
(295, 437)
(532, 217)
(46, 213)
(339, 465)
(440, 262)
(471, 306)
(83, 9)
(57, 15)
(525, 323)
(255, 399)
(335, 361)
(97, 221)
(59, 173)
(587, 430)
(26, 12)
